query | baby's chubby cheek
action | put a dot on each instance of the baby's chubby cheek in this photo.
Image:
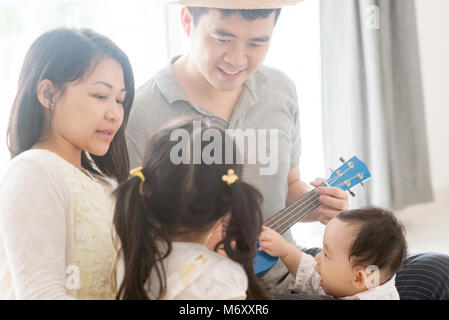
(318, 262)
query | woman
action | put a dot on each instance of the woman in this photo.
(67, 144)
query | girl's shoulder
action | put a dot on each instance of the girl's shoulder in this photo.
(224, 279)
(228, 268)
(182, 249)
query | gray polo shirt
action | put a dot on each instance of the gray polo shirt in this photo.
(268, 104)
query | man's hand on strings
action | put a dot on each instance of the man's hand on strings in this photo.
(333, 201)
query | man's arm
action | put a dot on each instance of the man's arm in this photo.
(333, 200)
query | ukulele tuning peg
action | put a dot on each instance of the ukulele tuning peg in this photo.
(360, 176)
(342, 160)
(351, 193)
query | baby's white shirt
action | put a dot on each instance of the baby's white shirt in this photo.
(308, 281)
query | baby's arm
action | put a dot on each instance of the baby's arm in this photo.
(275, 245)
(300, 265)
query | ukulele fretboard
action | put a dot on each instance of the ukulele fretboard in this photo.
(284, 219)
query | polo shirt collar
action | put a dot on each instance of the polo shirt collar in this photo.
(171, 89)
(169, 85)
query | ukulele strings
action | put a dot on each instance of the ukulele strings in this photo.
(273, 220)
(283, 220)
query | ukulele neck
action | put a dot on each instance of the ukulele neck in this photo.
(298, 211)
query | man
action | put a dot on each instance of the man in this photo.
(223, 80)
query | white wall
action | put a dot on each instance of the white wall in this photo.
(426, 224)
(433, 33)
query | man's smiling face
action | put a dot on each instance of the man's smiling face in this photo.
(226, 50)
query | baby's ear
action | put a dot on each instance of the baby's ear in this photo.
(366, 278)
(359, 278)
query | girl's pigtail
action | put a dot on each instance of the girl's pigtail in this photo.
(242, 231)
(138, 232)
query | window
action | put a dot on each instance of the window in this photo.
(296, 50)
(137, 30)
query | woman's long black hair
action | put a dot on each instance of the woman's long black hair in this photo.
(183, 197)
(65, 55)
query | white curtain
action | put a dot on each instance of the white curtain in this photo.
(372, 97)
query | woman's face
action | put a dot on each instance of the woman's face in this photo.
(90, 112)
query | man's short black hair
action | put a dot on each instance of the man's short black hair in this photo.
(248, 14)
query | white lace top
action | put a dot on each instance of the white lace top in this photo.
(55, 230)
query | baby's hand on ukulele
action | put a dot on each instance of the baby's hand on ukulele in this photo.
(273, 243)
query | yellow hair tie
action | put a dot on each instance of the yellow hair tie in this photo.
(230, 178)
(138, 173)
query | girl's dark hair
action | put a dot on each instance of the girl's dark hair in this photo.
(248, 14)
(380, 240)
(62, 56)
(183, 198)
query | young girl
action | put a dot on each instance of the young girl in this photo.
(362, 251)
(167, 211)
(66, 139)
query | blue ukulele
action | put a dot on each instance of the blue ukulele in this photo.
(351, 173)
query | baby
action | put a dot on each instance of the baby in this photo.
(362, 251)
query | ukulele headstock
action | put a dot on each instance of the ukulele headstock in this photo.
(349, 174)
